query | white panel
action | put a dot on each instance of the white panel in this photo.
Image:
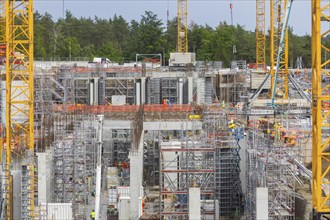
(56, 211)
(194, 203)
(118, 100)
(262, 203)
(124, 208)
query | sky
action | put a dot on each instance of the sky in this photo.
(199, 11)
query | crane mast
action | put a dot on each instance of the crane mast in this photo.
(19, 94)
(182, 46)
(260, 35)
(277, 19)
(320, 108)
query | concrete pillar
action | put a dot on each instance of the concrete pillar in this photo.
(96, 91)
(136, 175)
(124, 208)
(262, 203)
(180, 93)
(190, 90)
(45, 178)
(143, 90)
(200, 91)
(194, 203)
(217, 209)
(138, 92)
(17, 199)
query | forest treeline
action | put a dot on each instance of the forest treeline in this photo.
(120, 40)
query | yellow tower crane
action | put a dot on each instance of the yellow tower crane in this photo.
(320, 109)
(260, 34)
(277, 15)
(19, 93)
(182, 26)
(2, 55)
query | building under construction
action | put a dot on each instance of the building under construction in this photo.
(189, 140)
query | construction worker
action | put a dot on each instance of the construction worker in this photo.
(93, 215)
(223, 104)
(291, 140)
(278, 129)
(232, 126)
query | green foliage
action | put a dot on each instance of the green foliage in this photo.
(120, 40)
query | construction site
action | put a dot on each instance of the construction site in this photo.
(144, 140)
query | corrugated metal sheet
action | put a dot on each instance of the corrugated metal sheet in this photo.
(56, 211)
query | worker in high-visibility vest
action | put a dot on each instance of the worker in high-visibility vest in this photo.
(232, 126)
(93, 215)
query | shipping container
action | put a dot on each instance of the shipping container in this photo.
(56, 211)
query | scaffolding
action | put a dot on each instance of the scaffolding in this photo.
(43, 101)
(233, 86)
(120, 86)
(185, 163)
(169, 90)
(74, 160)
(227, 160)
(153, 91)
(270, 147)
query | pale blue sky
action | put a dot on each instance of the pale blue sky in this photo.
(200, 11)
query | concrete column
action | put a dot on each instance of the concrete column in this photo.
(190, 90)
(96, 91)
(45, 178)
(17, 198)
(262, 203)
(136, 175)
(143, 90)
(91, 92)
(138, 92)
(194, 203)
(200, 91)
(180, 93)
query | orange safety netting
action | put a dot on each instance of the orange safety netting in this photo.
(168, 108)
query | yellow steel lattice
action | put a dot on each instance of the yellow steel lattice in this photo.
(182, 26)
(277, 14)
(321, 110)
(19, 88)
(260, 35)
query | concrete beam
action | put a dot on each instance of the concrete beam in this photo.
(117, 124)
(172, 125)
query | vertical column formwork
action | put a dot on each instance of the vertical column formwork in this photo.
(320, 108)
(277, 14)
(19, 88)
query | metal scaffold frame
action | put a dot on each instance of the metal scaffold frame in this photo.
(43, 103)
(74, 160)
(269, 163)
(227, 160)
(186, 163)
(320, 108)
(119, 86)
